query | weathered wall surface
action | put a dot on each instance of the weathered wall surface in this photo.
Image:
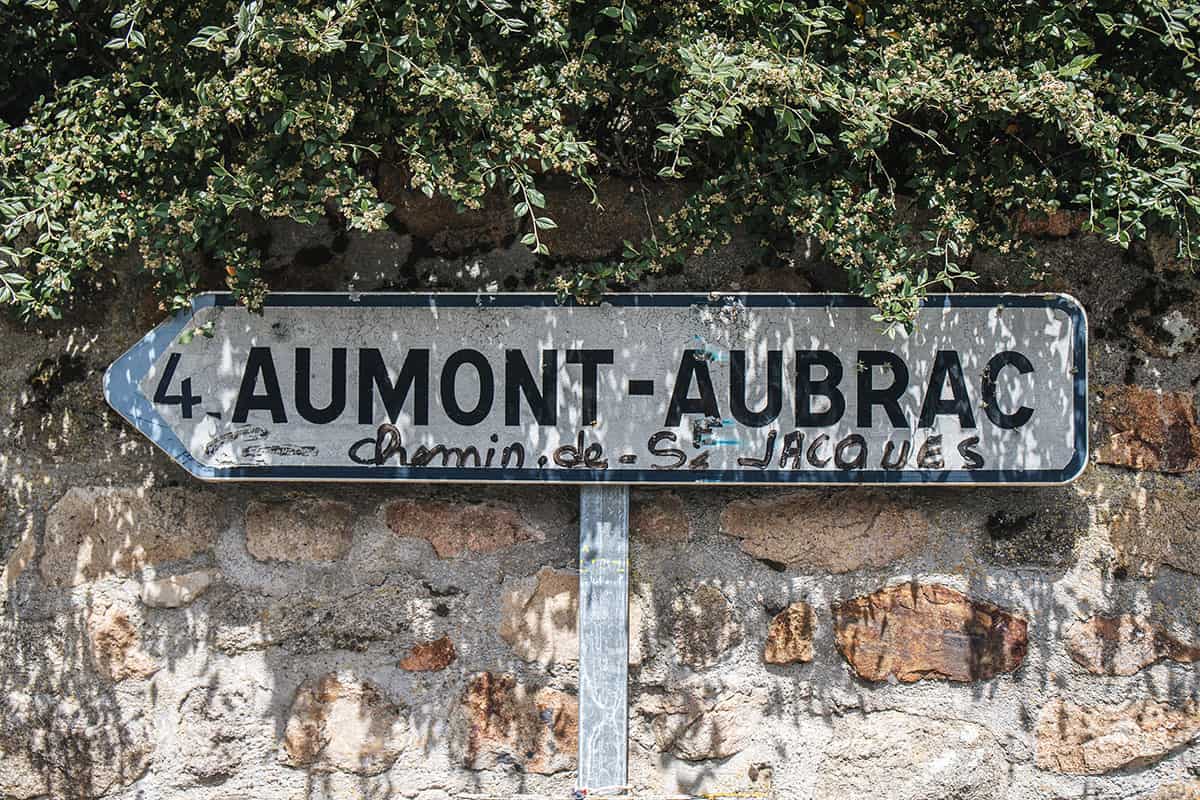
(164, 639)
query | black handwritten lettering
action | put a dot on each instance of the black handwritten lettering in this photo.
(765, 461)
(971, 457)
(515, 450)
(839, 453)
(672, 452)
(887, 463)
(813, 458)
(793, 449)
(930, 454)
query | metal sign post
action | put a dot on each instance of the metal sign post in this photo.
(603, 638)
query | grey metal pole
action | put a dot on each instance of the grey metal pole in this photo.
(603, 636)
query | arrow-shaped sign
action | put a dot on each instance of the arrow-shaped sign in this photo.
(661, 388)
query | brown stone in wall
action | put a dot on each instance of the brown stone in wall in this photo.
(454, 529)
(698, 722)
(1146, 429)
(705, 626)
(622, 210)
(303, 529)
(19, 559)
(1189, 790)
(1155, 522)
(658, 517)
(1051, 225)
(1124, 644)
(341, 723)
(1092, 740)
(790, 637)
(429, 656)
(116, 647)
(436, 219)
(93, 532)
(838, 531)
(915, 631)
(504, 722)
(539, 617)
(777, 279)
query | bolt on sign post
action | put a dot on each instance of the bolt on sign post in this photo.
(642, 388)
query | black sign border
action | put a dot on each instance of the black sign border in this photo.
(1062, 302)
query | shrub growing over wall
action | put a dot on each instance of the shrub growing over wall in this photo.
(902, 137)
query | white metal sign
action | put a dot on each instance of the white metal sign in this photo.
(662, 388)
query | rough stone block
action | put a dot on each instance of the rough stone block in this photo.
(916, 631)
(20, 777)
(74, 748)
(705, 626)
(889, 755)
(502, 722)
(436, 219)
(455, 529)
(658, 518)
(1053, 225)
(340, 723)
(116, 647)
(540, 617)
(790, 637)
(1124, 644)
(95, 532)
(1189, 790)
(1039, 529)
(623, 210)
(1093, 740)
(217, 720)
(429, 656)
(1146, 429)
(19, 560)
(837, 531)
(699, 722)
(1156, 522)
(177, 590)
(307, 529)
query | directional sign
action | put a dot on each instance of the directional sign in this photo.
(660, 388)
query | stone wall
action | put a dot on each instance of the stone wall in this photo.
(160, 638)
